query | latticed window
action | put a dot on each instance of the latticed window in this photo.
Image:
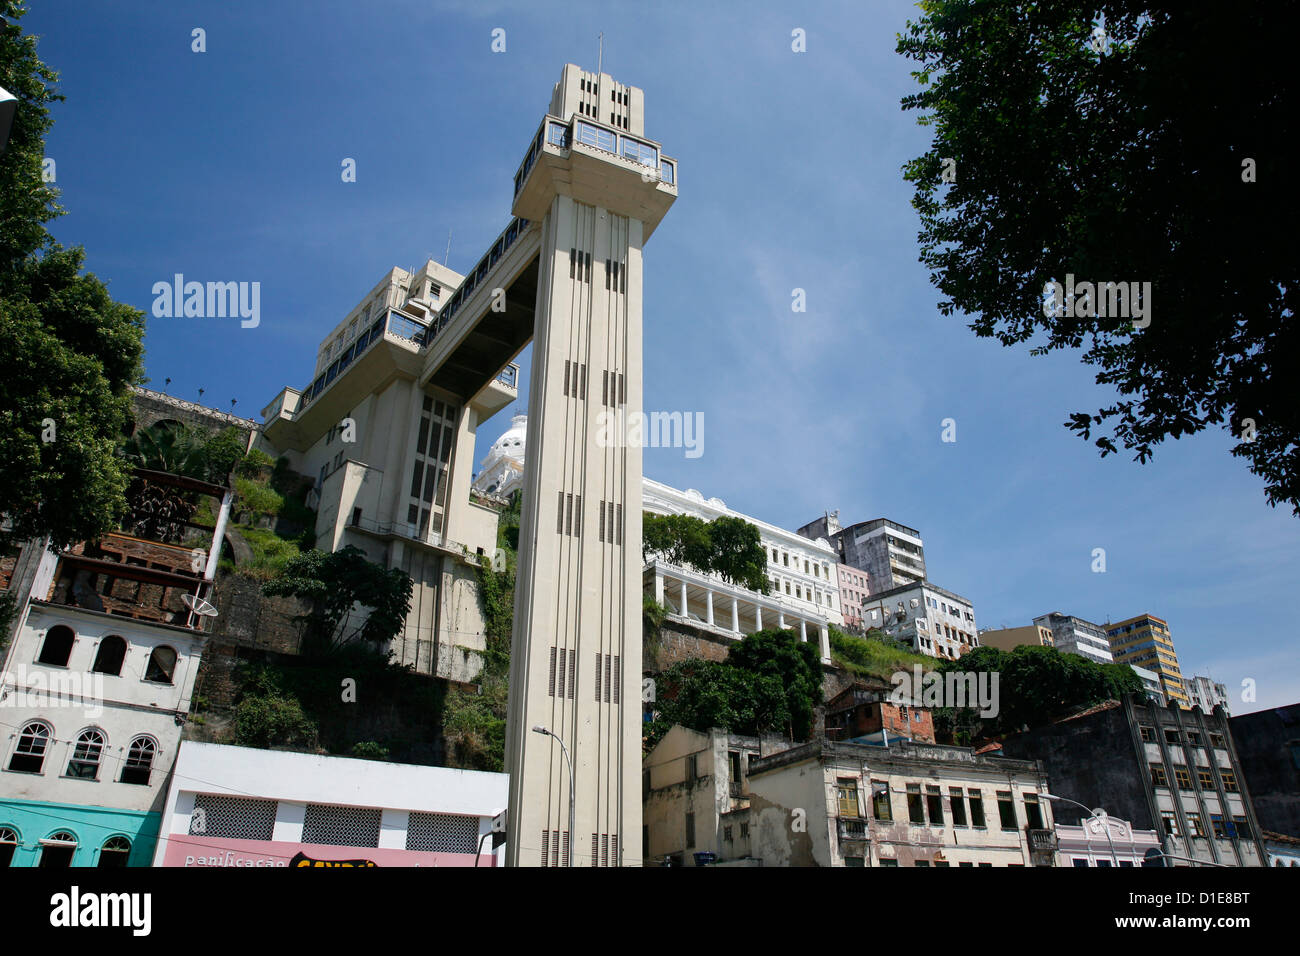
(29, 755)
(139, 761)
(442, 833)
(341, 826)
(84, 764)
(236, 818)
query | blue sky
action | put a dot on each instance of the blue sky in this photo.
(225, 165)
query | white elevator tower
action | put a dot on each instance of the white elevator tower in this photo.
(598, 188)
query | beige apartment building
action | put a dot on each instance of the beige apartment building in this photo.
(1009, 638)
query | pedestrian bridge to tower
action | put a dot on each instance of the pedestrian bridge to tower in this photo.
(490, 318)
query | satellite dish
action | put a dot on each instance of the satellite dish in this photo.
(198, 605)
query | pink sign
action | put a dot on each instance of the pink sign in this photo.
(196, 850)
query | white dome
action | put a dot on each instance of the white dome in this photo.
(511, 443)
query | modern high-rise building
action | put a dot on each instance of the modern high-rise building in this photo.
(593, 189)
(1144, 641)
(1074, 635)
(892, 554)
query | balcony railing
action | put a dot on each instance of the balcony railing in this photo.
(851, 830)
(556, 132)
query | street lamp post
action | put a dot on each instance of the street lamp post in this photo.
(1098, 814)
(539, 729)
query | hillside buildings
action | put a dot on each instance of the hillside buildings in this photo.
(891, 554)
(1009, 638)
(1207, 693)
(95, 688)
(932, 620)
(1167, 769)
(1144, 641)
(1074, 635)
(805, 592)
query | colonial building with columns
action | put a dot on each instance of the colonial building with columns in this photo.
(805, 594)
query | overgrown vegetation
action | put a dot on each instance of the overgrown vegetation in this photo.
(351, 598)
(1036, 685)
(474, 724)
(876, 655)
(770, 682)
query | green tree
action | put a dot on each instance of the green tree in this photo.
(333, 583)
(728, 546)
(794, 664)
(1158, 152)
(71, 352)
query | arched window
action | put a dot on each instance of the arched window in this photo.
(58, 849)
(84, 764)
(57, 647)
(8, 844)
(162, 664)
(115, 852)
(139, 761)
(29, 755)
(111, 654)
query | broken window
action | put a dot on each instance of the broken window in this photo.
(915, 809)
(958, 806)
(109, 657)
(934, 805)
(162, 664)
(1006, 810)
(1033, 812)
(881, 806)
(57, 647)
(976, 808)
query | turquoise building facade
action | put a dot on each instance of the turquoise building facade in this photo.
(29, 829)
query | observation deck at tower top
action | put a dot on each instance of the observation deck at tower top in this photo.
(466, 346)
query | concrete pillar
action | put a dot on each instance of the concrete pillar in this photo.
(824, 634)
(803, 630)
(735, 615)
(780, 620)
(758, 616)
(659, 585)
(708, 606)
(686, 608)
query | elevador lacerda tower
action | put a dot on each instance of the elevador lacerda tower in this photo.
(594, 188)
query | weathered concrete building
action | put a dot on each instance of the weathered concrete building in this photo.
(835, 804)
(695, 798)
(1103, 841)
(1268, 744)
(1164, 768)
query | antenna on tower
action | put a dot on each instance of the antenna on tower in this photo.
(448, 255)
(600, 54)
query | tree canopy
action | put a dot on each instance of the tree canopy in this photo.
(70, 352)
(728, 546)
(770, 681)
(1035, 686)
(1116, 141)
